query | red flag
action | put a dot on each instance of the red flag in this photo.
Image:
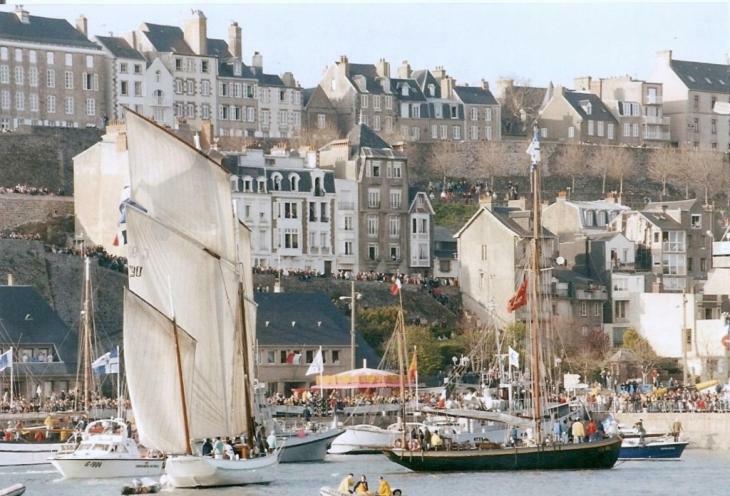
(290, 358)
(395, 287)
(519, 299)
(413, 368)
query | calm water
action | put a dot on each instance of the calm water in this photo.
(698, 473)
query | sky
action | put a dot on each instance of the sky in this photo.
(537, 42)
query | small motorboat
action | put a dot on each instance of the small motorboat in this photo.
(14, 490)
(142, 486)
(331, 491)
(652, 448)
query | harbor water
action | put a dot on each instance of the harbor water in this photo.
(699, 472)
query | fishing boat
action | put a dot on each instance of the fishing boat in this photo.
(536, 453)
(105, 451)
(188, 311)
(365, 438)
(14, 490)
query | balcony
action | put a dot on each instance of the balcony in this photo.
(591, 294)
(345, 205)
(656, 119)
(653, 100)
(656, 135)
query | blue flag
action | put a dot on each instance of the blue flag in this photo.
(108, 363)
(6, 360)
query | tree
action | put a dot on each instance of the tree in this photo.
(682, 171)
(662, 166)
(615, 162)
(707, 174)
(642, 349)
(572, 162)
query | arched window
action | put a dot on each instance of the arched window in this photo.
(276, 178)
(294, 182)
(261, 184)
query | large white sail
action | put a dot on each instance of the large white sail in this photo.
(180, 186)
(153, 376)
(180, 278)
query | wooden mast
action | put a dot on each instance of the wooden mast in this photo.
(184, 402)
(83, 372)
(248, 397)
(535, 307)
(400, 329)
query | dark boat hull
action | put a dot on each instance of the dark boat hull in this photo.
(596, 455)
(654, 451)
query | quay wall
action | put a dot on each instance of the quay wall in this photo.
(19, 209)
(702, 430)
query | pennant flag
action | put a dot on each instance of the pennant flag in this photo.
(6, 360)
(514, 358)
(519, 299)
(413, 369)
(297, 359)
(534, 149)
(395, 287)
(108, 363)
(317, 365)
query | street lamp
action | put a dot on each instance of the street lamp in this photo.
(353, 296)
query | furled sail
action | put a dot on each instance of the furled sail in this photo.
(152, 374)
(180, 186)
(180, 278)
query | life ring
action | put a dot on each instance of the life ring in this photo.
(414, 445)
(398, 443)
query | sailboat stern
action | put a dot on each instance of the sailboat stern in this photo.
(197, 471)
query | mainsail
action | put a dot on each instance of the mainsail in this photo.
(183, 254)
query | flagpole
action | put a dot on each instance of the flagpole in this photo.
(12, 387)
(415, 358)
(119, 385)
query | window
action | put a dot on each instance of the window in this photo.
(375, 168)
(205, 111)
(3, 53)
(204, 66)
(4, 74)
(223, 112)
(321, 121)
(474, 112)
(19, 101)
(376, 123)
(713, 126)
(68, 59)
(484, 247)
(590, 127)
(696, 221)
(395, 199)
(250, 114)
(348, 248)
(294, 182)
(33, 77)
(388, 124)
(635, 130)
(389, 103)
(456, 132)
(68, 105)
(376, 102)
(488, 114)
(571, 132)
(19, 75)
(444, 131)
(372, 251)
(68, 79)
(394, 226)
(474, 132)
(364, 119)
(544, 132)
(703, 265)
(205, 87)
(90, 63)
(415, 133)
(33, 100)
(599, 128)
(584, 309)
(124, 88)
(51, 104)
(673, 241)
(290, 210)
(610, 131)
(434, 131)
(348, 223)
(596, 309)
(18, 54)
(5, 99)
(190, 87)
(190, 110)
(696, 103)
(90, 107)
(394, 253)
(372, 225)
(373, 198)
(291, 238)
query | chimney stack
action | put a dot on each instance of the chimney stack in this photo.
(288, 80)
(343, 59)
(383, 68)
(665, 56)
(485, 84)
(447, 87)
(22, 14)
(439, 73)
(235, 43)
(196, 33)
(11, 281)
(582, 83)
(404, 71)
(257, 62)
(82, 25)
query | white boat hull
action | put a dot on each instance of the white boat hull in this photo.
(196, 471)
(16, 454)
(99, 468)
(363, 439)
(309, 448)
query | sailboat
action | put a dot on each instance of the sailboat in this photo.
(539, 455)
(188, 311)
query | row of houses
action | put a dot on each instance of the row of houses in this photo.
(55, 74)
(663, 270)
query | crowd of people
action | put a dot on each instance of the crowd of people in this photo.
(676, 400)
(61, 401)
(462, 190)
(24, 189)
(20, 235)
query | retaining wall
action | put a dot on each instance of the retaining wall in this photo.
(702, 430)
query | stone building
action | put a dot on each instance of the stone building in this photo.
(320, 118)
(125, 70)
(519, 106)
(50, 73)
(574, 117)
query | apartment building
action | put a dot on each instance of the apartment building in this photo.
(482, 119)
(50, 73)
(125, 70)
(519, 106)
(319, 125)
(279, 100)
(691, 91)
(636, 105)
(576, 117)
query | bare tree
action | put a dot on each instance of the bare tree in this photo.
(662, 166)
(682, 171)
(521, 104)
(492, 160)
(572, 161)
(611, 160)
(707, 177)
(622, 166)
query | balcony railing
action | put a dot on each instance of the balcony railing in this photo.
(656, 119)
(653, 99)
(656, 135)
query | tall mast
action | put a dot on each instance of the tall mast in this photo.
(83, 372)
(248, 397)
(400, 329)
(180, 381)
(535, 307)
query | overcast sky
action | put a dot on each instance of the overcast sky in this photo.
(538, 41)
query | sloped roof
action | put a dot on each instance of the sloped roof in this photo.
(599, 111)
(119, 47)
(507, 217)
(662, 221)
(362, 136)
(370, 73)
(225, 69)
(317, 322)
(574, 277)
(267, 79)
(42, 30)
(426, 203)
(306, 181)
(27, 319)
(683, 205)
(473, 95)
(414, 91)
(217, 48)
(424, 78)
(702, 76)
(167, 38)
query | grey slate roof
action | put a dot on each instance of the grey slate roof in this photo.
(167, 38)
(317, 322)
(599, 111)
(370, 73)
(683, 205)
(473, 95)
(119, 47)
(574, 277)
(307, 94)
(42, 30)
(414, 91)
(702, 76)
(218, 48)
(306, 182)
(361, 136)
(662, 221)
(27, 320)
(225, 69)
(424, 78)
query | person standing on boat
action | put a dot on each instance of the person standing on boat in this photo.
(362, 486)
(426, 439)
(591, 430)
(557, 431)
(346, 484)
(384, 488)
(218, 448)
(676, 429)
(207, 448)
(639, 426)
(578, 431)
(271, 441)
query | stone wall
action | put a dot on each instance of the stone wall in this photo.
(43, 157)
(17, 209)
(702, 430)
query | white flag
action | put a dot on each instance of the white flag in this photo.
(514, 358)
(6, 360)
(317, 365)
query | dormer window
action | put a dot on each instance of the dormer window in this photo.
(404, 90)
(237, 68)
(276, 178)
(586, 106)
(247, 184)
(432, 89)
(261, 185)
(294, 182)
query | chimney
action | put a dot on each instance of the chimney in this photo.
(22, 14)
(665, 56)
(257, 62)
(82, 25)
(503, 86)
(485, 84)
(447, 87)
(131, 38)
(288, 79)
(404, 71)
(582, 83)
(11, 281)
(343, 59)
(235, 45)
(439, 73)
(196, 33)
(383, 68)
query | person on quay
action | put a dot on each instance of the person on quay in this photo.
(361, 487)
(384, 488)
(346, 484)
(676, 429)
